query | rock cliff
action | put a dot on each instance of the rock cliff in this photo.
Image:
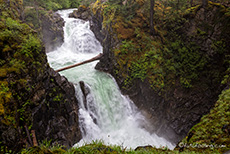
(32, 95)
(48, 23)
(52, 31)
(173, 113)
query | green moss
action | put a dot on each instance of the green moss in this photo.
(59, 98)
(20, 51)
(31, 47)
(214, 128)
(227, 13)
(169, 57)
(145, 59)
(31, 17)
(5, 96)
(188, 62)
(191, 12)
(226, 79)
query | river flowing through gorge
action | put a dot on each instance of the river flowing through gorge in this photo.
(105, 114)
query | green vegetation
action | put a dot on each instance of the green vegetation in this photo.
(167, 57)
(22, 67)
(19, 49)
(172, 57)
(45, 147)
(34, 11)
(101, 148)
(53, 4)
(56, 4)
(180, 54)
(214, 128)
(189, 62)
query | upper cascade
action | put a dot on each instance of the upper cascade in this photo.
(104, 113)
(82, 39)
(78, 36)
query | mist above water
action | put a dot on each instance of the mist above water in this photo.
(105, 114)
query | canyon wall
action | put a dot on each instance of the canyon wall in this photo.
(33, 97)
(175, 112)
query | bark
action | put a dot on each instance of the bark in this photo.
(35, 143)
(81, 63)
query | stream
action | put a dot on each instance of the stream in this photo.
(106, 114)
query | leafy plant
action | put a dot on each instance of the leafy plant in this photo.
(188, 62)
(45, 147)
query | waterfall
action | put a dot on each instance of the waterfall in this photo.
(104, 114)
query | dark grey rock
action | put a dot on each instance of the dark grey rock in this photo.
(173, 114)
(52, 31)
(82, 13)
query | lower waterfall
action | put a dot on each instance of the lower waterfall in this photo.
(105, 114)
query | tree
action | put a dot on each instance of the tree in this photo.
(152, 4)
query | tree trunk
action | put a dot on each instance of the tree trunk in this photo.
(152, 30)
(98, 57)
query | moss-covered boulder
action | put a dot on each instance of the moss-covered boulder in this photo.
(82, 12)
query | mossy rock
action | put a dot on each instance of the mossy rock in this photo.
(213, 130)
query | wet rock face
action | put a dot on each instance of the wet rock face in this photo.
(56, 117)
(82, 13)
(52, 31)
(173, 114)
(52, 111)
(39, 100)
(107, 40)
(85, 91)
(209, 27)
(88, 101)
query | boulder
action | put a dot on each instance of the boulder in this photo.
(82, 12)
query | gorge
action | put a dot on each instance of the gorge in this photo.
(174, 84)
(104, 114)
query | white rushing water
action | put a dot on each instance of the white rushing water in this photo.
(107, 115)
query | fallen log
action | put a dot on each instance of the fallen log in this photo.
(81, 63)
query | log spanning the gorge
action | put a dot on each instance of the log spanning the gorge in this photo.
(98, 57)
